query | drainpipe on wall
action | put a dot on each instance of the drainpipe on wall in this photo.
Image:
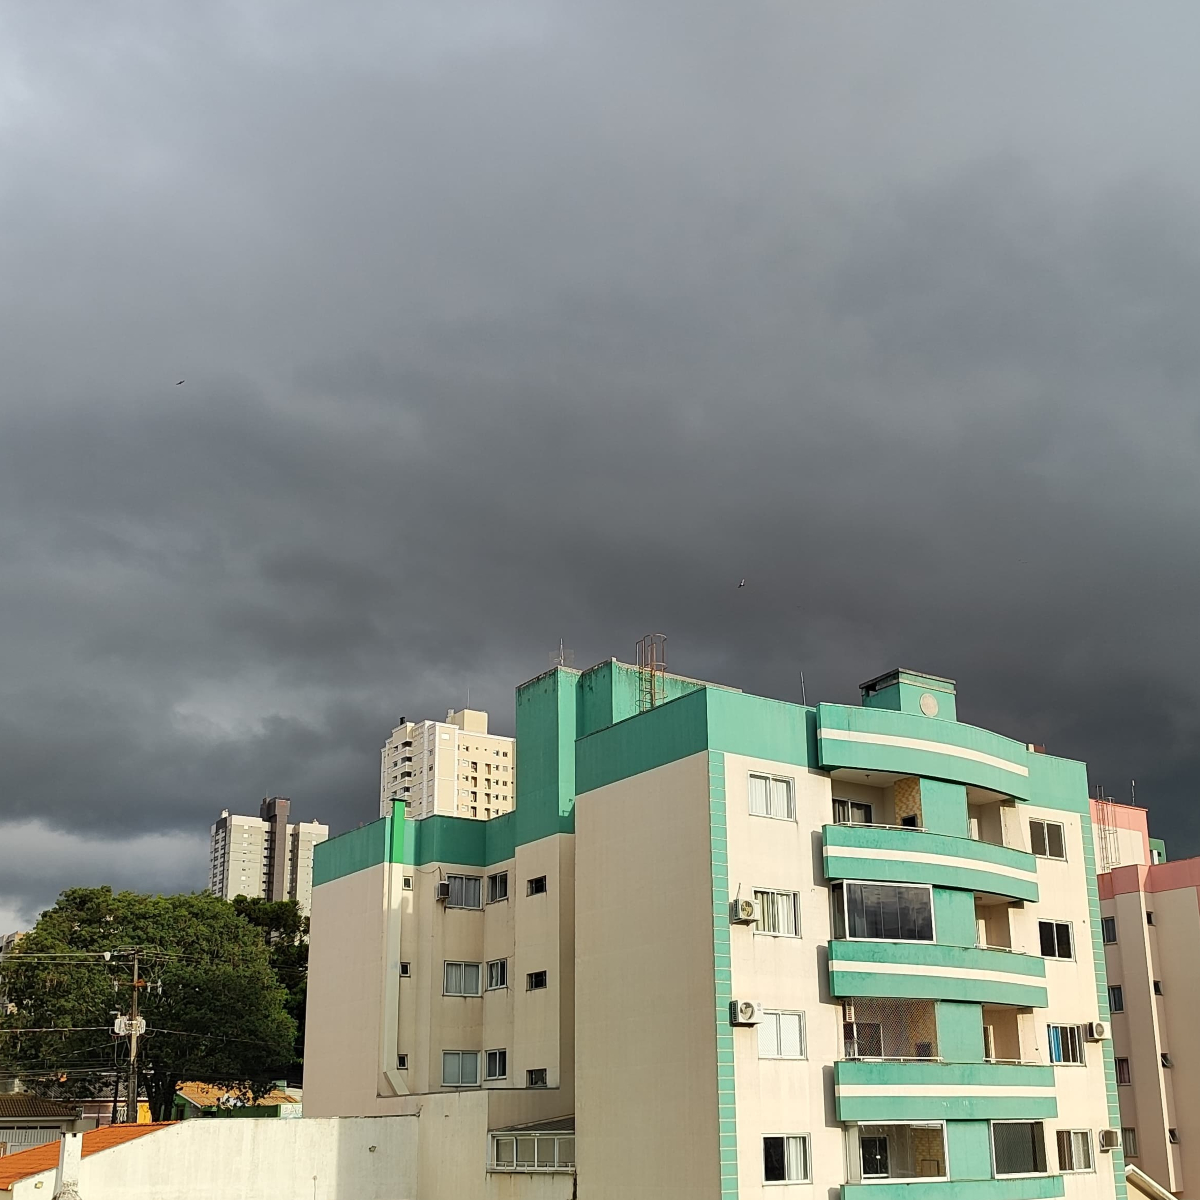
(66, 1178)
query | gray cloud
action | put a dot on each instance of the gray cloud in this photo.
(509, 322)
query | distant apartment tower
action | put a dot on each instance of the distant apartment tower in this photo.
(451, 768)
(264, 856)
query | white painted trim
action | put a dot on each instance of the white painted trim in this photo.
(887, 968)
(907, 743)
(883, 1090)
(971, 864)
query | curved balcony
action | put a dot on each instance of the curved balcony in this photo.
(929, 971)
(1022, 1187)
(868, 1091)
(887, 854)
(875, 739)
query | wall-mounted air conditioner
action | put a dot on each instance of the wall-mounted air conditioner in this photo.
(743, 912)
(1097, 1031)
(745, 1012)
(443, 890)
(1110, 1139)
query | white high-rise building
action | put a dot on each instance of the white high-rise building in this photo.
(264, 856)
(451, 768)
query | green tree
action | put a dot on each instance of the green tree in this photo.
(285, 931)
(213, 1007)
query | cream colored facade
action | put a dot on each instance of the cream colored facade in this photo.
(1151, 909)
(240, 858)
(692, 1048)
(451, 768)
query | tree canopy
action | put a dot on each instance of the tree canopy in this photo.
(213, 1006)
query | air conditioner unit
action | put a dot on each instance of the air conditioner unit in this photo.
(443, 890)
(1110, 1139)
(743, 912)
(745, 1012)
(1097, 1031)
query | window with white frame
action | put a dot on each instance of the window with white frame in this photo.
(786, 1158)
(461, 979)
(778, 912)
(496, 1064)
(883, 911)
(781, 1035)
(1054, 938)
(772, 796)
(497, 887)
(460, 1068)
(1066, 1043)
(1074, 1150)
(465, 891)
(1018, 1147)
(542, 1151)
(497, 974)
(1046, 839)
(852, 812)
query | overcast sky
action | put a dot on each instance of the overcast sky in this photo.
(512, 320)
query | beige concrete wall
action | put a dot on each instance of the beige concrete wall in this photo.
(359, 1159)
(645, 1041)
(786, 1095)
(1072, 997)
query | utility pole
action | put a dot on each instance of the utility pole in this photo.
(131, 1099)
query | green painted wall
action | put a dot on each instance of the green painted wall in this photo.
(969, 1150)
(611, 692)
(944, 807)
(1161, 846)
(546, 719)
(904, 694)
(960, 1031)
(1033, 1187)
(954, 917)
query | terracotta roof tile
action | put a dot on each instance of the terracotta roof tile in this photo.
(21, 1104)
(45, 1158)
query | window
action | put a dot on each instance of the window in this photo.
(405, 970)
(1158, 987)
(772, 797)
(781, 1035)
(497, 974)
(1123, 1076)
(535, 980)
(408, 881)
(460, 1068)
(498, 887)
(533, 1152)
(897, 912)
(1108, 930)
(1173, 1136)
(1074, 1150)
(1165, 1058)
(536, 886)
(1055, 937)
(536, 1077)
(1149, 918)
(1018, 1147)
(1116, 997)
(785, 1158)
(401, 1062)
(1066, 1043)
(461, 979)
(778, 912)
(464, 891)
(1129, 1141)
(899, 1151)
(1046, 839)
(497, 1064)
(850, 812)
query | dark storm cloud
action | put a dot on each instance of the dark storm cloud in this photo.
(506, 323)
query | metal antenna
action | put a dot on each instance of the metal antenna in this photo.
(803, 693)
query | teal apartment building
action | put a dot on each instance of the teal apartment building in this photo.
(726, 946)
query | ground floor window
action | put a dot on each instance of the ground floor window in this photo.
(1018, 1147)
(785, 1158)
